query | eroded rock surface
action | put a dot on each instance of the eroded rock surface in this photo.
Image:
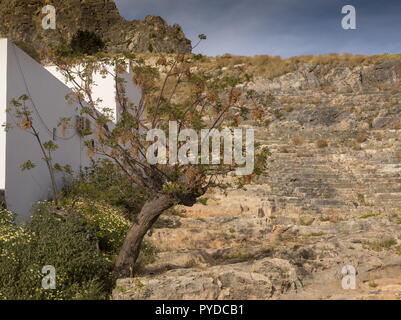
(331, 197)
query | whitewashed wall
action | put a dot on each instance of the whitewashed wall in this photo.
(103, 87)
(3, 106)
(26, 76)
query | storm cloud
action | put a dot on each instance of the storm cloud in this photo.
(278, 27)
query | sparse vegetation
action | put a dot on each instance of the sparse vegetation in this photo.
(82, 271)
(297, 140)
(361, 137)
(82, 43)
(370, 215)
(80, 237)
(317, 234)
(383, 244)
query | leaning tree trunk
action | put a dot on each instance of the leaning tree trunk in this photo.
(149, 214)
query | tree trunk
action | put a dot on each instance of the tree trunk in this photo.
(149, 214)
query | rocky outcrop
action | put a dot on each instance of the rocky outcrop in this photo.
(330, 197)
(21, 21)
(342, 76)
(262, 279)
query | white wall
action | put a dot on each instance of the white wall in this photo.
(3, 107)
(26, 76)
(20, 74)
(103, 87)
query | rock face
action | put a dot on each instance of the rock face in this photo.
(331, 197)
(21, 21)
(342, 76)
(262, 279)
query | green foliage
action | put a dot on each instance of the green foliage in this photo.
(29, 165)
(50, 146)
(370, 215)
(203, 201)
(82, 43)
(386, 243)
(82, 246)
(261, 161)
(104, 182)
(82, 271)
(106, 221)
(322, 143)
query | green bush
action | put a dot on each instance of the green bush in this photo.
(106, 221)
(86, 42)
(105, 183)
(98, 207)
(82, 270)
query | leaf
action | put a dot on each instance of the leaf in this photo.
(29, 165)
(26, 124)
(50, 146)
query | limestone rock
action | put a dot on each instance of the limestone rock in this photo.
(262, 280)
(21, 21)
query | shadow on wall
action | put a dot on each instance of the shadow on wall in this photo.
(2, 200)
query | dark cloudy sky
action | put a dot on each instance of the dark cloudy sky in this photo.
(278, 27)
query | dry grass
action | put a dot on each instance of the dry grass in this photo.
(361, 137)
(274, 66)
(322, 143)
(283, 149)
(297, 141)
(304, 154)
(316, 100)
(288, 108)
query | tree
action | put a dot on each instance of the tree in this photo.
(172, 90)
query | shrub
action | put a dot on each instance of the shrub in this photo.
(288, 108)
(82, 43)
(106, 221)
(297, 140)
(361, 137)
(86, 42)
(104, 183)
(383, 244)
(82, 271)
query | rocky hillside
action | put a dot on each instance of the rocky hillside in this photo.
(331, 197)
(21, 21)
